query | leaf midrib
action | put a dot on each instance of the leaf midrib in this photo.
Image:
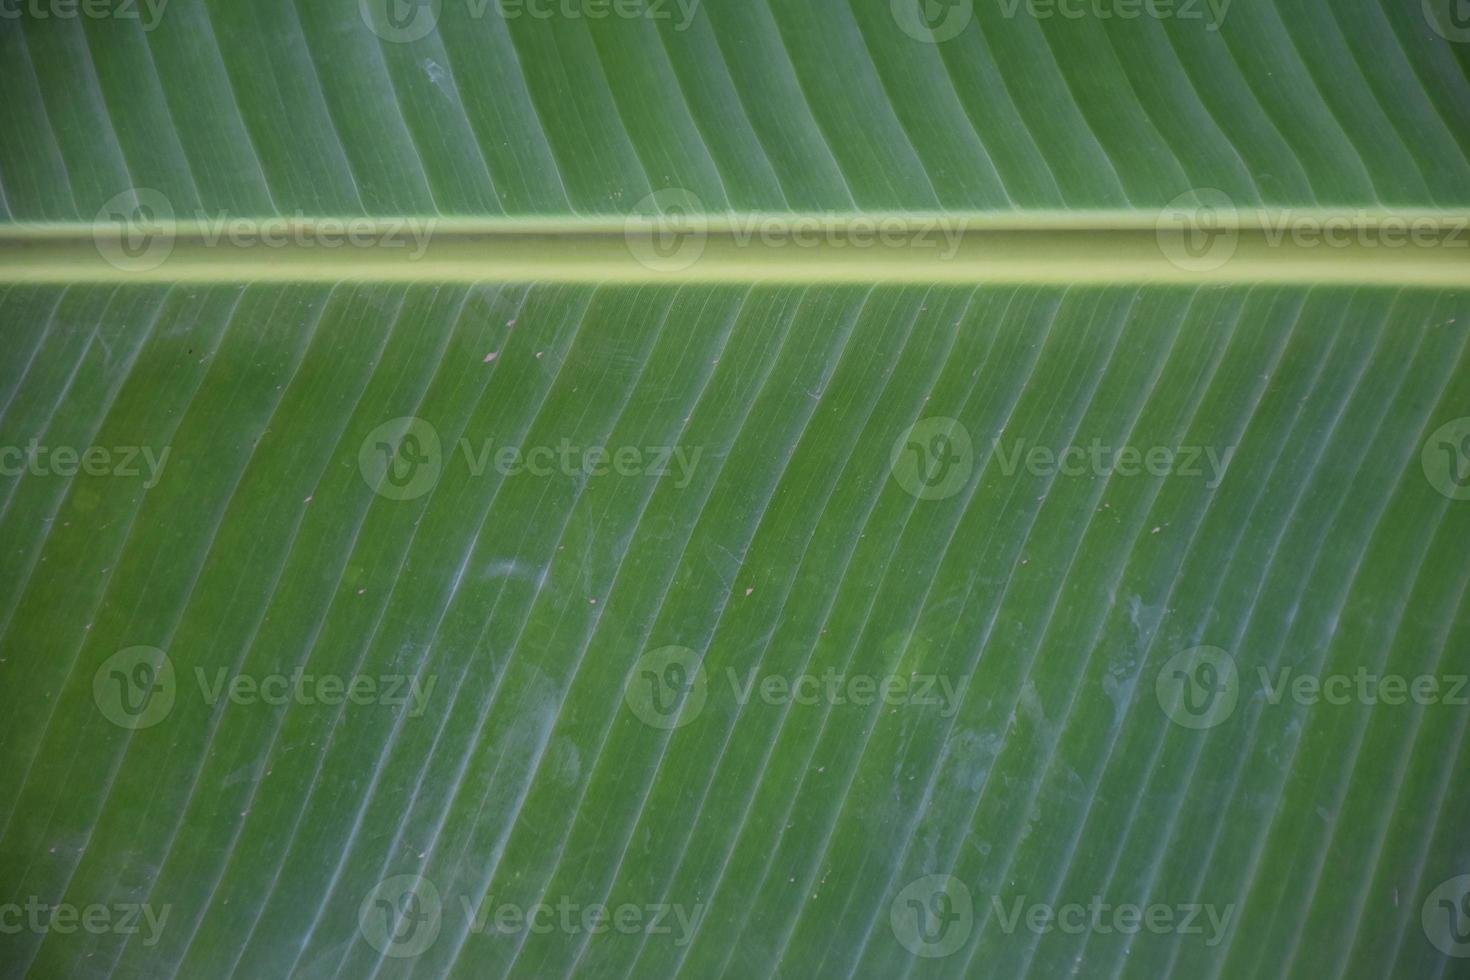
(1394, 248)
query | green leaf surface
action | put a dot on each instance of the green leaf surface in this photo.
(777, 489)
(478, 107)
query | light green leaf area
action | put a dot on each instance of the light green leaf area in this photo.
(515, 107)
(1297, 516)
(771, 592)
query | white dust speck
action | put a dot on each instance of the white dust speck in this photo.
(436, 74)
